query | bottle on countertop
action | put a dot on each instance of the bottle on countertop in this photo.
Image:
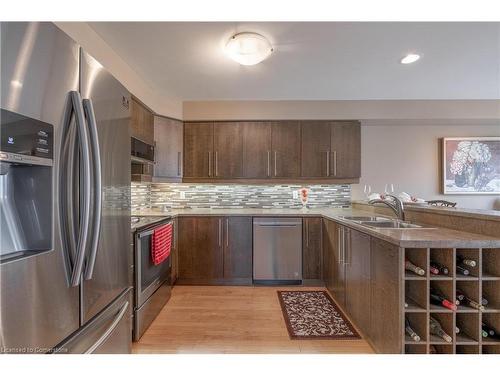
(415, 269)
(413, 335)
(436, 329)
(437, 298)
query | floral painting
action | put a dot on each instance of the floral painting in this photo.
(471, 165)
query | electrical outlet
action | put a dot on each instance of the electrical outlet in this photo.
(183, 194)
(295, 194)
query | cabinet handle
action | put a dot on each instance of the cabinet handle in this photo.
(335, 163)
(220, 234)
(268, 163)
(339, 244)
(347, 248)
(327, 163)
(307, 233)
(227, 232)
(216, 164)
(209, 164)
(178, 163)
(275, 163)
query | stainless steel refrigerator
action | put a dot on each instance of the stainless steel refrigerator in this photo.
(65, 261)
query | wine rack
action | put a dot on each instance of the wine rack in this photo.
(482, 281)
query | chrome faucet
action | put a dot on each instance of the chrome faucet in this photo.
(396, 205)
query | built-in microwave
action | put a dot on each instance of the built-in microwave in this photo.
(141, 151)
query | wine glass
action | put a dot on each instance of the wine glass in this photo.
(367, 190)
(389, 189)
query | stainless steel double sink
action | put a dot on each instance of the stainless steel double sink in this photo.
(382, 222)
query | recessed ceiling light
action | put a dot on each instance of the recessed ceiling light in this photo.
(248, 48)
(410, 58)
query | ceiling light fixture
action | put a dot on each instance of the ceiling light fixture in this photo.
(410, 58)
(248, 48)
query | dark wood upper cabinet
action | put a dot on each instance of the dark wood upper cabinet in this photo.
(345, 149)
(238, 249)
(289, 151)
(200, 251)
(169, 135)
(312, 248)
(285, 149)
(141, 122)
(315, 148)
(228, 150)
(256, 149)
(199, 149)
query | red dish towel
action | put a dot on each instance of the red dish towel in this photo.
(162, 242)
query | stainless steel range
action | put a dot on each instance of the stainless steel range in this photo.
(152, 283)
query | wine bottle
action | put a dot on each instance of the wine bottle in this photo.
(433, 270)
(406, 305)
(457, 330)
(484, 333)
(436, 329)
(442, 269)
(489, 330)
(484, 301)
(413, 335)
(467, 301)
(460, 295)
(465, 261)
(411, 267)
(463, 271)
(437, 298)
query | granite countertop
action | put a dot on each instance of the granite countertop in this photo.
(458, 211)
(415, 237)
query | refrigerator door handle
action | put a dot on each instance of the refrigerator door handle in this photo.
(75, 238)
(110, 330)
(97, 187)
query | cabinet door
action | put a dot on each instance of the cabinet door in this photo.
(136, 119)
(238, 249)
(357, 283)
(147, 126)
(285, 149)
(311, 248)
(228, 150)
(256, 149)
(315, 148)
(200, 249)
(334, 276)
(386, 315)
(168, 147)
(175, 252)
(345, 149)
(198, 149)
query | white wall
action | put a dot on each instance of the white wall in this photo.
(84, 35)
(408, 156)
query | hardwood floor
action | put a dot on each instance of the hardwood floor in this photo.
(231, 319)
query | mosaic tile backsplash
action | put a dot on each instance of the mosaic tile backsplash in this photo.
(174, 195)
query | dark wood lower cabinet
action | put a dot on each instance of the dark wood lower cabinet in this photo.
(238, 249)
(215, 250)
(200, 250)
(386, 315)
(333, 268)
(358, 278)
(311, 248)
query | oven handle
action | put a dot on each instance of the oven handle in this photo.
(151, 231)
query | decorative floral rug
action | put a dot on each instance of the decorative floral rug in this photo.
(314, 315)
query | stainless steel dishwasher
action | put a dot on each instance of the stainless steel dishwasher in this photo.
(277, 250)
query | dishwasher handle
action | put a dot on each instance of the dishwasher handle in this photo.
(279, 225)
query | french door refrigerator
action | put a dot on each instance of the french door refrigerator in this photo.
(69, 291)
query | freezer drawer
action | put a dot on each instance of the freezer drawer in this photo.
(110, 332)
(277, 250)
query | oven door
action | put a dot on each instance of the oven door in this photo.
(148, 277)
